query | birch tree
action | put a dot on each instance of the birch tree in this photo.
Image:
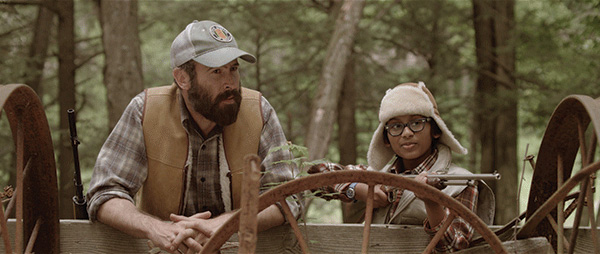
(325, 103)
(123, 62)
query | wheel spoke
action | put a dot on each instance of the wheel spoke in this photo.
(561, 205)
(4, 232)
(19, 195)
(33, 237)
(590, 201)
(294, 224)
(591, 149)
(11, 203)
(439, 234)
(555, 226)
(582, 147)
(368, 218)
(571, 208)
(580, 201)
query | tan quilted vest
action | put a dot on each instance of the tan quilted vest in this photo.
(167, 148)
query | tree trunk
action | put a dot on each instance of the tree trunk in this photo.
(38, 49)
(485, 87)
(347, 131)
(66, 97)
(506, 147)
(325, 103)
(496, 97)
(346, 121)
(123, 61)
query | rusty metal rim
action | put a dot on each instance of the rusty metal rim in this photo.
(369, 177)
(552, 180)
(559, 195)
(37, 188)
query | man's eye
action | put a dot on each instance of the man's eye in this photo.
(217, 71)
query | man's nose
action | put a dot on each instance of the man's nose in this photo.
(229, 81)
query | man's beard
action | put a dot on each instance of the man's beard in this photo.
(202, 103)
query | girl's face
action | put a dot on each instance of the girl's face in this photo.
(412, 147)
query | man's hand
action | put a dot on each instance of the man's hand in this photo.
(197, 229)
(162, 234)
(123, 215)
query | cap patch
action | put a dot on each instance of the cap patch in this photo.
(221, 34)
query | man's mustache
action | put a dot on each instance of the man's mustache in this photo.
(237, 96)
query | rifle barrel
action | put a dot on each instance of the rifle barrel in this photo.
(464, 177)
(79, 202)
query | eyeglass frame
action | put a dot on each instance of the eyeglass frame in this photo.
(404, 125)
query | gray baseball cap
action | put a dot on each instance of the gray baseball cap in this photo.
(208, 43)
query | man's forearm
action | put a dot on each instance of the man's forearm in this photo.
(270, 217)
(121, 214)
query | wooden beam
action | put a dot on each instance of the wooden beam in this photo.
(80, 236)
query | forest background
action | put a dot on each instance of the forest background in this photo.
(497, 69)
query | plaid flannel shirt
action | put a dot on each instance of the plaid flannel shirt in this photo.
(121, 167)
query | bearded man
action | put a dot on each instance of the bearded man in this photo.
(170, 171)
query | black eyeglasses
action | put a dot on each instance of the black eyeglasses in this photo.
(415, 126)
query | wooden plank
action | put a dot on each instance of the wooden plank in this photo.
(536, 245)
(80, 236)
(346, 238)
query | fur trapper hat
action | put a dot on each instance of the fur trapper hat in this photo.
(407, 99)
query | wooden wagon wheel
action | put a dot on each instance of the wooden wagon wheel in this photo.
(372, 178)
(573, 130)
(36, 193)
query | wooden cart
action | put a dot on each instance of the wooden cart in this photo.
(572, 132)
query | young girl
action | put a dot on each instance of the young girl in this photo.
(413, 139)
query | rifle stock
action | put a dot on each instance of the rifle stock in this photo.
(79, 202)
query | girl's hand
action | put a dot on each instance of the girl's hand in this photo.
(379, 198)
(432, 181)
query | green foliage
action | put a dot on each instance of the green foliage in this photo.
(556, 61)
(325, 212)
(300, 157)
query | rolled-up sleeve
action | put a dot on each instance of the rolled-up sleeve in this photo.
(121, 167)
(276, 162)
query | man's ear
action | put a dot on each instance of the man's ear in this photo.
(182, 78)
